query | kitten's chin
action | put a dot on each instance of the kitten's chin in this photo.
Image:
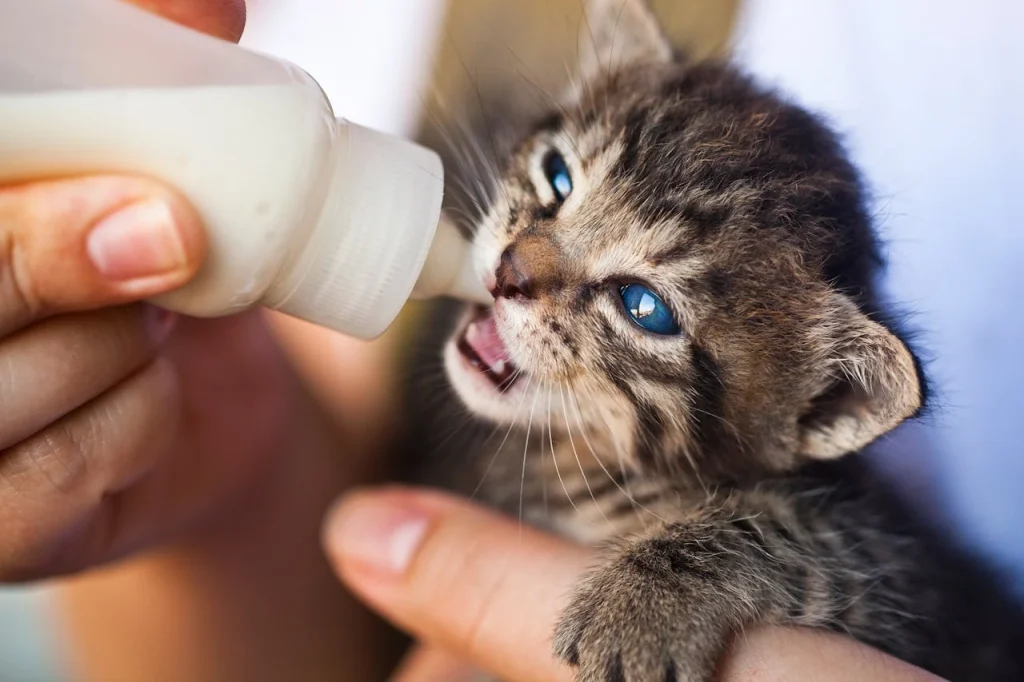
(480, 370)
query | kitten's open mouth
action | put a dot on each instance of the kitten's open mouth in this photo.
(483, 349)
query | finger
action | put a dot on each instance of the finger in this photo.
(455, 576)
(86, 243)
(52, 368)
(802, 655)
(221, 18)
(430, 664)
(59, 490)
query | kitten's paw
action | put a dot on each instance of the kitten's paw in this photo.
(639, 619)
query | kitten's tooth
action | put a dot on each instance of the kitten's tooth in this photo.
(498, 367)
(472, 332)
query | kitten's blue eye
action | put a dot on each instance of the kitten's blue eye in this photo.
(648, 310)
(558, 176)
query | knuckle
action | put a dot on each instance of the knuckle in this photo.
(58, 457)
(54, 463)
(26, 211)
(18, 296)
(33, 525)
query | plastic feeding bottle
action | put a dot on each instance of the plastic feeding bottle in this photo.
(305, 213)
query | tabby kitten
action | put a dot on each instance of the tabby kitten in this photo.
(684, 357)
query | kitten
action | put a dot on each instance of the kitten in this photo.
(685, 355)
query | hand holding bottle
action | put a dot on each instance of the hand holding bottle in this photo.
(120, 424)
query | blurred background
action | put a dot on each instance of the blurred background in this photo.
(928, 95)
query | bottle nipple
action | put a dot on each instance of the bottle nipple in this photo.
(449, 269)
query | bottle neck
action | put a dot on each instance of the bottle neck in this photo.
(449, 269)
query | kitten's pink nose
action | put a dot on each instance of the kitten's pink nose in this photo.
(510, 279)
(528, 268)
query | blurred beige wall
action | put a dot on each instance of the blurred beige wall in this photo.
(522, 46)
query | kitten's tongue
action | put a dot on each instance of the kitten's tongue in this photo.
(482, 337)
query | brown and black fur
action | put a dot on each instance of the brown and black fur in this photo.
(721, 471)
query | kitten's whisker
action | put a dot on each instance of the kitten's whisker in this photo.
(588, 94)
(510, 381)
(477, 193)
(553, 101)
(687, 454)
(585, 20)
(472, 139)
(511, 426)
(490, 138)
(492, 162)
(482, 166)
(526, 449)
(554, 459)
(456, 429)
(460, 212)
(540, 471)
(575, 399)
(611, 49)
(621, 460)
(438, 397)
(579, 463)
(441, 378)
(732, 427)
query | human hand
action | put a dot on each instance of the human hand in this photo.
(475, 588)
(117, 427)
(121, 425)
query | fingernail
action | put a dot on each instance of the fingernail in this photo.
(160, 323)
(139, 241)
(380, 535)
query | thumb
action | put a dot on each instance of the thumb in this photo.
(458, 577)
(91, 242)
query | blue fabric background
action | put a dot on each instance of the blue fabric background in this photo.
(930, 96)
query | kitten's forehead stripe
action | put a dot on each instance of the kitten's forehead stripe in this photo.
(552, 123)
(541, 213)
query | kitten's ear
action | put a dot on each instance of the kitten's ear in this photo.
(871, 383)
(616, 33)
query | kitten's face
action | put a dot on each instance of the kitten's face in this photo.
(666, 255)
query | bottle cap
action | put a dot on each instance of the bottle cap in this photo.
(381, 208)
